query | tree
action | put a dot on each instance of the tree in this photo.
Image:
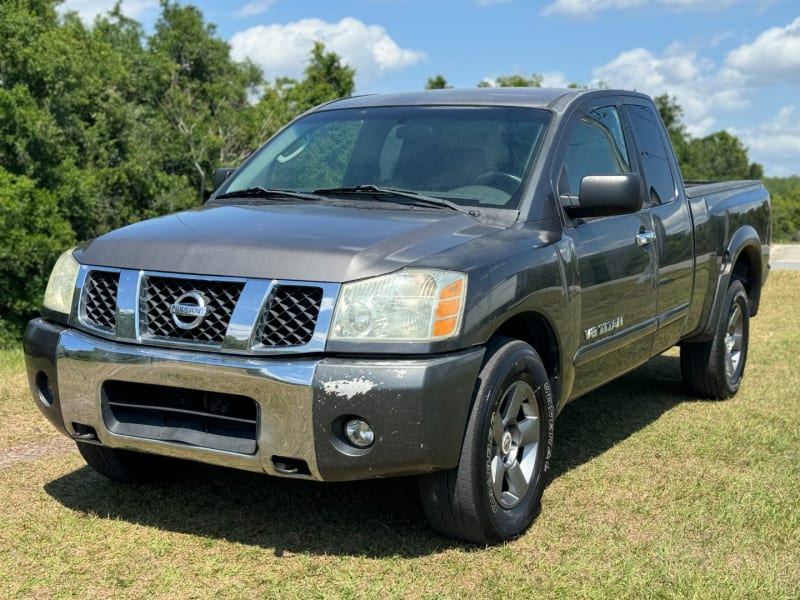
(326, 79)
(671, 114)
(785, 208)
(535, 80)
(201, 92)
(33, 234)
(719, 156)
(437, 83)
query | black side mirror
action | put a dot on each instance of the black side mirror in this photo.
(221, 176)
(605, 195)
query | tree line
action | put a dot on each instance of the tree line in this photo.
(102, 125)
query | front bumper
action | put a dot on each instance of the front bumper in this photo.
(418, 407)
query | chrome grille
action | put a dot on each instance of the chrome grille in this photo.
(158, 294)
(100, 299)
(215, 313)
(291, 316)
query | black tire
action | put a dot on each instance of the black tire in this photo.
(495, 491)
(127, 466)
(714, 369)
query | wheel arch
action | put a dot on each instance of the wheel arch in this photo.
(536, 330)
(741, 259)
(748, 268)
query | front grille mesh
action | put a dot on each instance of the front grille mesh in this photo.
(174, 310)
(291, 316)
(158, 294)
(100, 300)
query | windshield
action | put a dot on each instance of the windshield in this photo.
(471, 156)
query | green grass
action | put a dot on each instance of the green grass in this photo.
(653, 494)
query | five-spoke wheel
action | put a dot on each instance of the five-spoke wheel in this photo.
(495, 491)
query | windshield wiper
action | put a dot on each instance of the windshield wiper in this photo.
(262, 192)
(377, 191)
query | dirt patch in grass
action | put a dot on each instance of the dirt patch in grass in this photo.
(33, 451)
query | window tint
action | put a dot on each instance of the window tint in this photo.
(317, 158)
(465, 154)
(657, 172)
(596, 147)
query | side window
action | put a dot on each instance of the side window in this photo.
(596, 146)
(657, 172)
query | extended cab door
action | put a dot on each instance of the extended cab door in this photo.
(673, 247)
(615, 265)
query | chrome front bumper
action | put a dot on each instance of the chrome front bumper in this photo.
(418, 407)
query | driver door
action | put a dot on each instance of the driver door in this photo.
(616, 270)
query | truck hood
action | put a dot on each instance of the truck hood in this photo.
(300, 242)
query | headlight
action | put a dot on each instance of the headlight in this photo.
(61, 285)
(411, 305)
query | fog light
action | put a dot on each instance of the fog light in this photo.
(359, 433)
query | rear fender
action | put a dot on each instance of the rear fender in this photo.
(744, 245)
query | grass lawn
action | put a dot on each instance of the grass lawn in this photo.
(653, 494)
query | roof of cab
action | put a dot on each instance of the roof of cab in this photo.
(555, 99)
(523, 97)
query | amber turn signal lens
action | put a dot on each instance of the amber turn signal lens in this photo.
(448, 309)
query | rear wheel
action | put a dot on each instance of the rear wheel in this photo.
(714, 369)
(495, 491)
(127, 466)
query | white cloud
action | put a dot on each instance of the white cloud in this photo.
(775, 143)
(89, 9)
(554, 80)
(588, 8)
(773, 57)
(705, 90)
(255, 8)
(283, 50)
(700, 90)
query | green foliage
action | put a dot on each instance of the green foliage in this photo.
(785, 194)
(719, 156)
(326, 79)
(103, 125)
(535, 80)
(33, 234)
(437, 83)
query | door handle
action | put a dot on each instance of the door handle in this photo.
(645, 238)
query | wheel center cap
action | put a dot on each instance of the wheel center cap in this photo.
(506, 442)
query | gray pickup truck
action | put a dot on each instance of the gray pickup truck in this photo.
(409, 284)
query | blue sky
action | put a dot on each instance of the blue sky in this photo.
(731, 64)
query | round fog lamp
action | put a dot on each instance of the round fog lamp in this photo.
(359, 433)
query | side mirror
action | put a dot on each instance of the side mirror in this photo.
(221, 176)
(606, 195)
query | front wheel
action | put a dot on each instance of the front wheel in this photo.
(494, 493)
(714, 369)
